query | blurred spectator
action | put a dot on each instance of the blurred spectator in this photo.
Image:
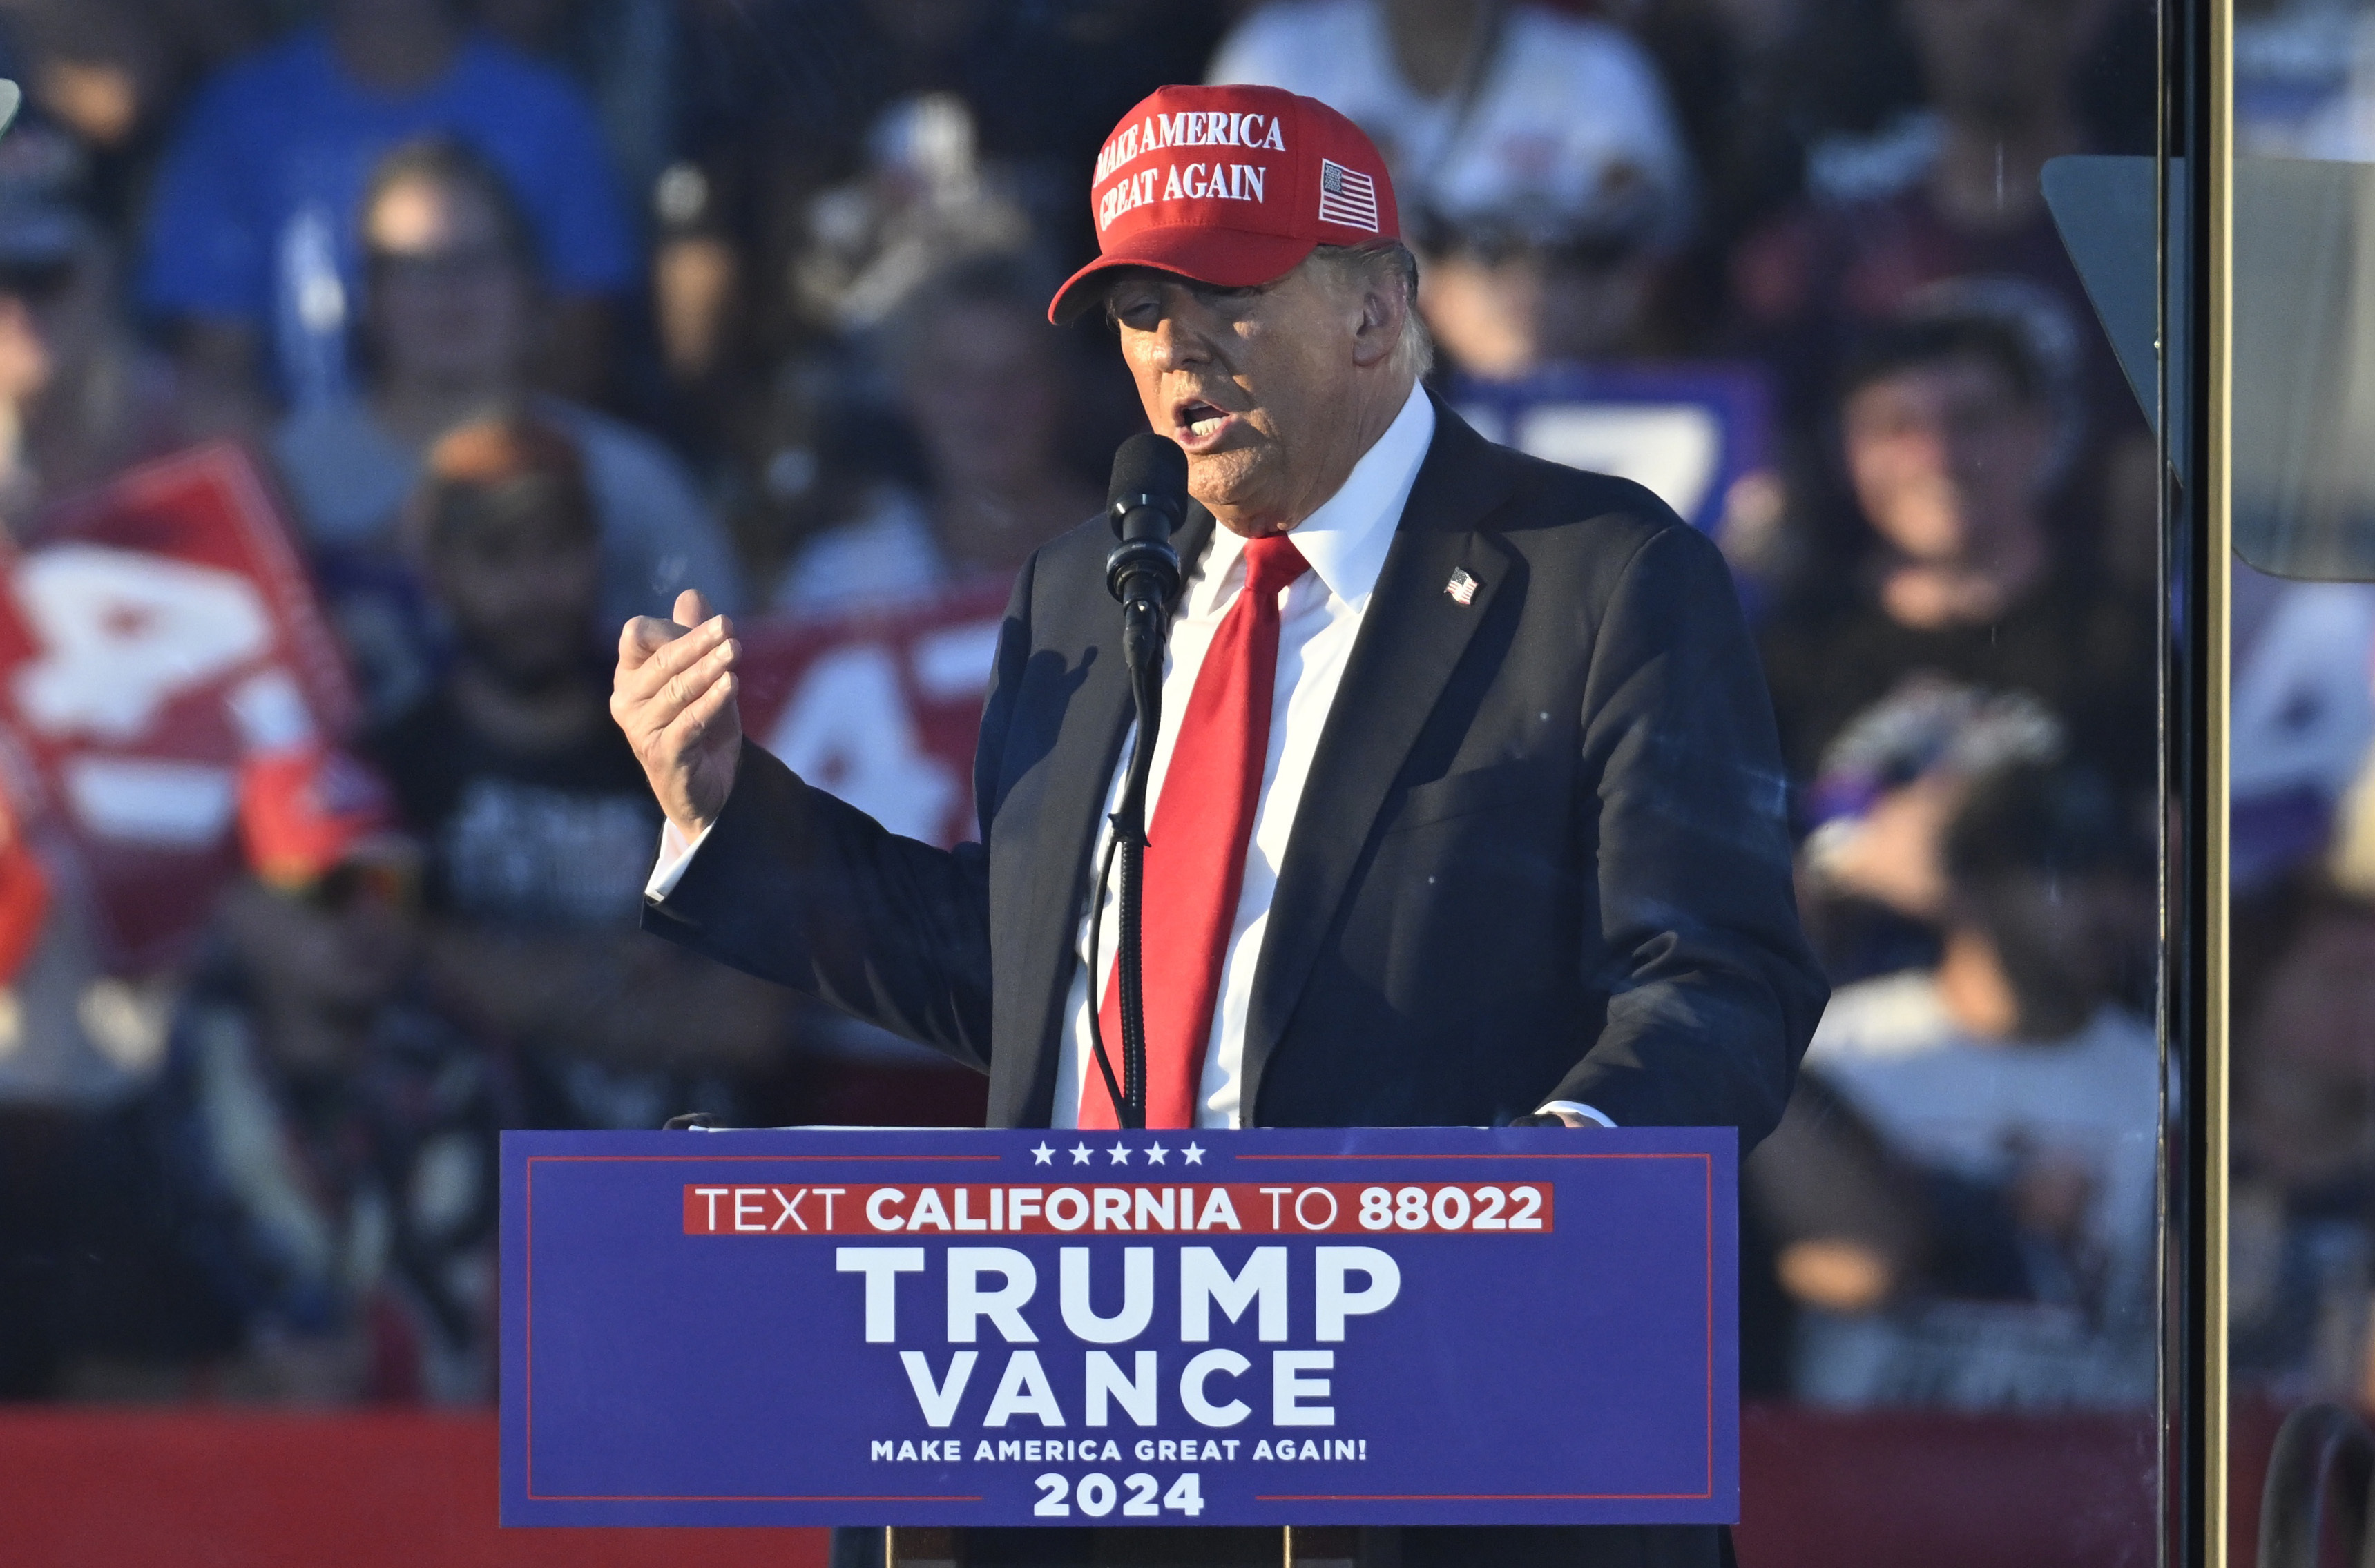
(79, 399)
(320, 1148)
(1949, 440)
(1831, 1220)
(1047, 81)
(1505, 301)
(2304, 79)
(114, 72)
(985, 385)
(1957, 193)
(1840, 100)
(924, 200)
(1478, 104)
(2028, 1101)
(1872, 882)
(1945, 209)
(786, 99)
(76, 1042)
(539, 824)
(102, 69)
(1534, 155)
(253, 246)
(925, 204)
(2304, 1195)
(452, 308)
(1819, 84)
(2301, 720)
(78, 402)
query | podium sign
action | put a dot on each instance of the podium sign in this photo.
(1419, 1325)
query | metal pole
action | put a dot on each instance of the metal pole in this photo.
(2201, 72)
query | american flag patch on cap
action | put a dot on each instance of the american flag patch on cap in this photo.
(1346, 197)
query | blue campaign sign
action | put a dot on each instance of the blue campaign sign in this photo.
(1697, 433)
(1417, 1326)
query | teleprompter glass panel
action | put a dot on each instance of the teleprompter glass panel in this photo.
(1869, 291)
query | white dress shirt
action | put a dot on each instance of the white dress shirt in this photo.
(1319, 617)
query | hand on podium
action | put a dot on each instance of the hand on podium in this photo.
(673, 693)
(1547, 1118)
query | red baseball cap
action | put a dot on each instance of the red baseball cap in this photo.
(1231, 186)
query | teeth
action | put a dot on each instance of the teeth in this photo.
(1206, 426)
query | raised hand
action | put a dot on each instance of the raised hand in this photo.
(673, 694)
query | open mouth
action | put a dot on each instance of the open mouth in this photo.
(1197, 424)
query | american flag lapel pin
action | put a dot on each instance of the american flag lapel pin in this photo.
(1463, 588)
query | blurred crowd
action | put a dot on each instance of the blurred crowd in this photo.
(539, 311)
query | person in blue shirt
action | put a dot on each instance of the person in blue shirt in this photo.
(252, 248)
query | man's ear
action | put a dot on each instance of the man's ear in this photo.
(1380, 327)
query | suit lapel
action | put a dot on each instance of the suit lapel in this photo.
(1412, 637)
(1080, 775)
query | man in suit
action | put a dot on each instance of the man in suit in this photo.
(1466, 808)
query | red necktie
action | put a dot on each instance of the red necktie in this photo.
(1196, 848)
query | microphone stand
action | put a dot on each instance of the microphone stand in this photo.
(1143, 572)
(1142, 635)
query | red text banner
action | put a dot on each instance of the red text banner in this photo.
(1252, 1208)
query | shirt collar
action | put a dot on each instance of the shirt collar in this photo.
(1346, 539)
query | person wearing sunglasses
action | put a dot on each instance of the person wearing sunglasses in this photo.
(456, 306)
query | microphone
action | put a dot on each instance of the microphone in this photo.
(1147, 500)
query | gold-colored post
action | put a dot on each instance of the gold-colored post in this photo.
(913, 1547)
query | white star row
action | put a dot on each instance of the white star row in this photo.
(1155, 1154)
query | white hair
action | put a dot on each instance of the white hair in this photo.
(1388, 268)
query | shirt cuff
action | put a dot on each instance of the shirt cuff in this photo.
(676, 853)
(1579, 1108)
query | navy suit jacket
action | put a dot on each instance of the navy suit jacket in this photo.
(1541, 854)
